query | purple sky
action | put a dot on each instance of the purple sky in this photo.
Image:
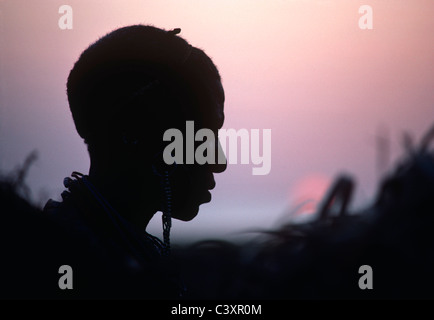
(301, 68)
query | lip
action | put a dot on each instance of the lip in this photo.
(207, 196)
(211, 184)
(206, 186)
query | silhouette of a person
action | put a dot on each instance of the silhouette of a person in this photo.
(124, 92)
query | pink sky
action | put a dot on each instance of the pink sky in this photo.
(301, 68)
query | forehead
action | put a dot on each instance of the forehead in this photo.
(212, 109)
(219, 100)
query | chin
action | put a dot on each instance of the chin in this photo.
(186, 214)
(190, 210)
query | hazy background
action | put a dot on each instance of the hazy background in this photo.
(305, 69)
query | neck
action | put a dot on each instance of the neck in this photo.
(126, 193)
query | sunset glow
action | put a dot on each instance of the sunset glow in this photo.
(303, 69)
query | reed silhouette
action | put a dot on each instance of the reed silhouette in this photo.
(320, 259)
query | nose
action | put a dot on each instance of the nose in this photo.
(218, 167)
(221, 161)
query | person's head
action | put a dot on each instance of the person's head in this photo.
(127, 89)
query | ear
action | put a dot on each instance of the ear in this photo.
(160, 168)
(130, 139)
